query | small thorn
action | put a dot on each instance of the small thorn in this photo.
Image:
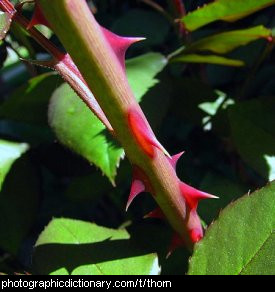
(136, 188)
(193, 196)
(38, 18)
(175, 158)
(156, 214)
(120, 44)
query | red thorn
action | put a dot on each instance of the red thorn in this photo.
(120, 44)
(38, 18)
(193, 196)
(143, 133)
(174, 159)
(176, 242)
(67, 60)
(46, 64)
(136, 188)
(156, 214)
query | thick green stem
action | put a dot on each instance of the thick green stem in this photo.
(76, 27)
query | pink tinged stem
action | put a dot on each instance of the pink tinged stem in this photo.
(192, 197)
(180, 8)
(7, 6)
(100, 66)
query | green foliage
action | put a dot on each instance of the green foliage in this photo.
(241, 241)
(18, 197)
(225, 188)
(253, 133)
(141, 72)
(227, 10)
(221, 43)
(208, 59)
(72, 247)
(226, 42)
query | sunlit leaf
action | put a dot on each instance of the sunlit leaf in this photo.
(141, 72)
(208, 59)
(73, 247)
(225, 42)
(227, 10)
(242, 240)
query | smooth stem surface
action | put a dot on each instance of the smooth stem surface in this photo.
(76, 27)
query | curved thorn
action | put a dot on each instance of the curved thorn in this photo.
(38, 18)
(120, 44)
(136, 188)
(175, 158)
(193, 196)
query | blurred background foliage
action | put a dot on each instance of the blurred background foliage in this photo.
(222, 116)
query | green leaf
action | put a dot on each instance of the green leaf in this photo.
(227, 10)
(75, 247)
(241, 241)
(80, 130)
(142, 70)
(19, 197)
(9, 153)
(5, 21)
(208, 59)
(29, 103)
(253, 133)
(225, 42)
(226, 189)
